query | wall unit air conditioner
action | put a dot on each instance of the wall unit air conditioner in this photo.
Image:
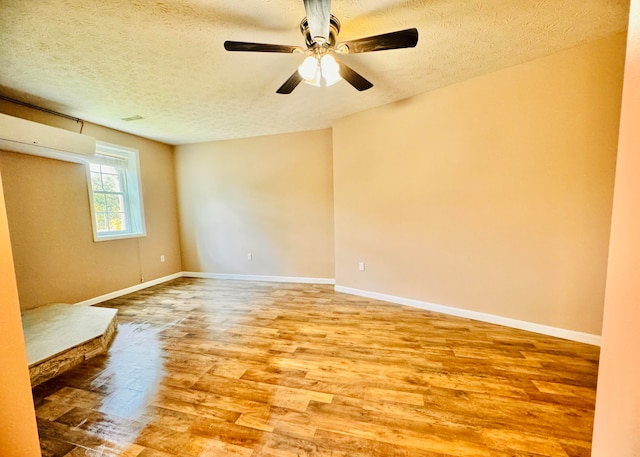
(20, 135)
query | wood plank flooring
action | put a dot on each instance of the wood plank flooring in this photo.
(204, 368)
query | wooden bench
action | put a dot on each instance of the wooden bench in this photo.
(60, 336)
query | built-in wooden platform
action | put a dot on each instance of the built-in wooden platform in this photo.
(60, 336)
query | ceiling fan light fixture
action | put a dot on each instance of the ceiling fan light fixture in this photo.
(315, 69)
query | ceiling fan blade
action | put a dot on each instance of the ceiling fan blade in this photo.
(354, 78)
(258, 47)
(395, 40)
(318, 14)
(290, 84)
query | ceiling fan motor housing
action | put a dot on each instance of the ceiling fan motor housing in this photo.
(334, 29)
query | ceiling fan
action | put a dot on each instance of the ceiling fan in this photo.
(320, 29)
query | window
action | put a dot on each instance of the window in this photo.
(115, 193)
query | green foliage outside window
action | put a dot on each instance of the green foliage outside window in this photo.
(108, 198)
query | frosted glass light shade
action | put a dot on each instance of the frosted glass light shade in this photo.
(330, 70)
(308, 68)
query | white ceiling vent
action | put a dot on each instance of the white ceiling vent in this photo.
(20, 135)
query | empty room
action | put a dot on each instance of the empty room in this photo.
(319, 228)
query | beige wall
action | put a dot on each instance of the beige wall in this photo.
(56, 259)
(18, 431)
(271, 196)
(617, 421)
(492, 195)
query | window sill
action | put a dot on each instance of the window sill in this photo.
(114, 236)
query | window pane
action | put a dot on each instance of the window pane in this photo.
(96, 181)
(111, 183)
(115, 203)
(116, 222)
(101, 222)
(99, 203)
(109, 170)
(114, 181)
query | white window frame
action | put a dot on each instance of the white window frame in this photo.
(127, 161)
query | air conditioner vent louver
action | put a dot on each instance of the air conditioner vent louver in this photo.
(27, 137)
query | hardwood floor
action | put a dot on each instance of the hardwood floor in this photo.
(221, 368)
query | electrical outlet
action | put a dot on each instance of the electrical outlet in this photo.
(361, 266)
(162, 258)
(249, 256)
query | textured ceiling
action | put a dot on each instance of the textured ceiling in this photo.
(164, 60)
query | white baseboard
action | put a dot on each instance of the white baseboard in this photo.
(195, 274)
(128, 290)
(572, 335)
(291, 279)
